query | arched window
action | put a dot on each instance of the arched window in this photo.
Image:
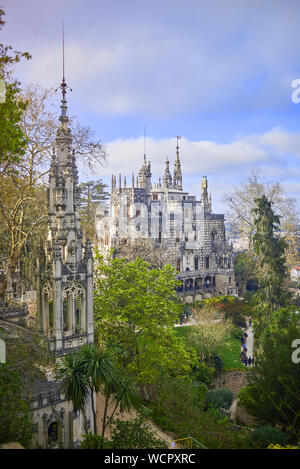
(74, 305)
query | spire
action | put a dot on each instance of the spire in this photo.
(63, 86)
(167, 179)
(145, 175)
(177, 180)
(204, 195)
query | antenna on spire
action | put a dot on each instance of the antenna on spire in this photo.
(63, 86)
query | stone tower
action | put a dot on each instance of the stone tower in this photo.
(65, 281)
(177, 179)
(167, 179)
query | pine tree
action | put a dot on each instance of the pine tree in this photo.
(270, 250)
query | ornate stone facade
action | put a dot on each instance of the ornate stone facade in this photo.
(65, 283)
(184, 227)
(65, 293)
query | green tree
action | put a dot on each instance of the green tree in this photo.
(138, 305)
(92, 194)
(12, 138)
(15, 420)
(270, 250)
(99, 368)
(92, 370)
(135, 434)
(273, 391)
(27, 353)
(70, 372)
(244, 269)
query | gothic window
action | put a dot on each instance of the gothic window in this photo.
(171, 216)
(74, 299)
(207, 262)
(196, 261)
(106, 236)
(155, 196)
(137, 213)
(53, 435)
(178, 265)
(159, 237)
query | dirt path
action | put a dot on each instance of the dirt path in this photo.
(100, 402)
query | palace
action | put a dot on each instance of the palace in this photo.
(186, 229)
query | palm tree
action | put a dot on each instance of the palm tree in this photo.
(124, 394)
(99, 369)
(73, 383)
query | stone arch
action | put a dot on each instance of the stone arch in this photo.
(74, 308)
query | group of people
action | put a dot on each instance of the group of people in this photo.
(247, 361)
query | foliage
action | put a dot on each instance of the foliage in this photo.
(92, 370)
(203, 373)
(15, 420)
(73, 383)
(219, 398)
(207, 336)
(262, 437)
(23, 206)
(277, 446)
(273, 391)
(93, 441)
(241, 203)
(135, 434)
(244, 269)
(178, 407)
(12, 138)
(138, 306)
(27, 353)
(92, 193)
(270, 250)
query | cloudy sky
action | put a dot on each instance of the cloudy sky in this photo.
(219, 73)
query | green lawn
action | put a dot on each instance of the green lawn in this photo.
(230, 353)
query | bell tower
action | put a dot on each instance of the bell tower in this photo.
(65, 281)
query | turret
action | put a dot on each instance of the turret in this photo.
(167, 179)
(177, 179)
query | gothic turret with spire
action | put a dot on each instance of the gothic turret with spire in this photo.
(66, 276)
(167, 179)
(177, 179)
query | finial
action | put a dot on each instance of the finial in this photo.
(177, 147)
(63, 86)
(145, 143)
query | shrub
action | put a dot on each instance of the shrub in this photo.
(93, 441)
(135, 434)
(204, 373)
(262, 437)
(218, 364)
(219, 398)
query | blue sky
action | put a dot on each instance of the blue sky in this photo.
(217, 73)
